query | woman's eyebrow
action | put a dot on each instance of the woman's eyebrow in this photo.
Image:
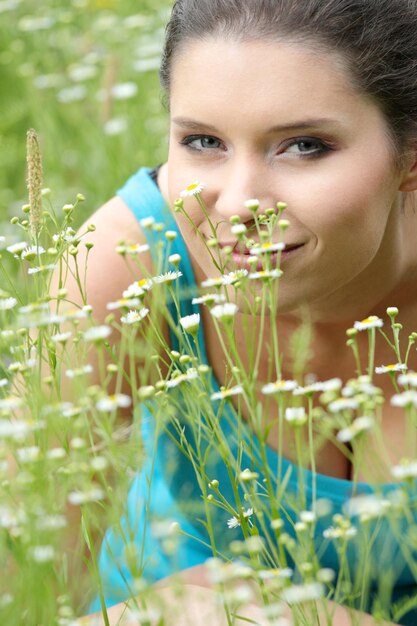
(191, 124)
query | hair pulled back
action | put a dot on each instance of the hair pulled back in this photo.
(376, 38)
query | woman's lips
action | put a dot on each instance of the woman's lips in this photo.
(241, 257)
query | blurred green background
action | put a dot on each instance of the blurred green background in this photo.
(83, 74)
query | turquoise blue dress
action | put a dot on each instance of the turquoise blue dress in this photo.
(167, 490)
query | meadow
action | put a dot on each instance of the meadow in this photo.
(83, 75)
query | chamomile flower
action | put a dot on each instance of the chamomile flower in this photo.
(227, 393)
(137, 289)
(123, 302)
(116, 401)
(234, 522)
(80, 371)
(238, 229)
(190, 374)
(296, 415)
(370, 322)
(405, 399)
(266, 275)
(10, 403)
(406, 470)
(133, 317)
(61, 337)
(167, 278)
(192, 190)
(224, 312)
(137, 248)
(147, 222)
(17, 248)
(267, 248)
(297, 594)
(343, 404)
(410, 378)
(226, 279)
(31, 252)
(94, 494)
(97, 333)
(390, 369)
(359, 425)
(209, 298)
(190, 323)
(7, 303)
(41, 268)
(278, 387)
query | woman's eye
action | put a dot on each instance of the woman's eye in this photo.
(201, 142)
(307, 147)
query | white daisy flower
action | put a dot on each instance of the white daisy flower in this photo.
(209, 298)
(82, 497)
(234, 522)
(17, 428)
(224, 312)
(343, 404)
(97, 333)
(340, 532)
(389, 369)
(267, 248)
(81, 371)
(370, 322)
(279, 386)
(17, 248)
(238, 229)
(124, 91)
(410, 378)
(266, 274)
(41, 268)
(168, 277)
(406, 470)
(359, 425)
(29, 454)
(192, 190)
(297, 594)
(190, 374)
(42, 554)
(405, 399)
(147, 222)
(116, 401)
(137, 248)
(123, 302)
(7, 303)
(252, 204)
(137, 289)
(61, 337)
(227, 393)
(134, 317)
(31, 252)
(190, 323)
(226, 279)
(296, 415)
(10, 402)
(366, 505)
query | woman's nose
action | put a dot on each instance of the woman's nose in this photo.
(240, 182)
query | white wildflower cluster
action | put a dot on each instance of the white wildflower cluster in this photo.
(235, 521)
(225, 279)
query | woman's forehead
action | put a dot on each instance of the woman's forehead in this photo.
(261, 78)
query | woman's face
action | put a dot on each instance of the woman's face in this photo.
(281, 122)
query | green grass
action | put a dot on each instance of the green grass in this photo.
(86, 48)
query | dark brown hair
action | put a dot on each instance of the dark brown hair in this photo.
(376, 38)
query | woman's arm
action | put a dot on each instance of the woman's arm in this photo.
(190, 600)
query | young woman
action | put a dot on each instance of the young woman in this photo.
(311, 102)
